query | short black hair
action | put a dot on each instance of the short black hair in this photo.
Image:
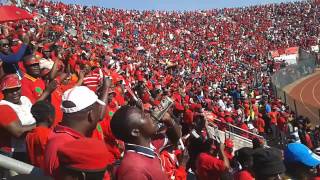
(121, 123)
(78, 114)
(42, 110)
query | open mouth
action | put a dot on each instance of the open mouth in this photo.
(16, 98)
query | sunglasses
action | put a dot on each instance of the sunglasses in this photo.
(5, 45)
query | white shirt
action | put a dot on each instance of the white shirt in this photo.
(23, 111)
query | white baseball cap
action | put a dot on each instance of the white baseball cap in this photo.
(82, 97)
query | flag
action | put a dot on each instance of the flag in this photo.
(13, 13)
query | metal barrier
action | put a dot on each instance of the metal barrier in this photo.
(230, 128)
(306, 66)
(240, 137)
(238, 141)
(7, 163)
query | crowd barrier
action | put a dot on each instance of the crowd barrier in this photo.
(10, 167)
(305, 66)
(240, 137)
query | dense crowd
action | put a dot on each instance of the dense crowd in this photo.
(79, 86)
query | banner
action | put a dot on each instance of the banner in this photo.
(289, 55)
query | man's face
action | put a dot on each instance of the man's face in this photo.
(148, 126)
(4, 46)
(33, 70)
(66, 80)
(12, 95)
(110, 97)
(47, 53)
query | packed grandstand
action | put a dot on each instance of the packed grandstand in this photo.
(98, 93)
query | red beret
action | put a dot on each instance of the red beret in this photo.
(10, 81)
(85, 154)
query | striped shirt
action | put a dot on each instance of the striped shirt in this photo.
(92, 81)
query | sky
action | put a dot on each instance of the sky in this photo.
(170, 5)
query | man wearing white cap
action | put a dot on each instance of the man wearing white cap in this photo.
(82, 109)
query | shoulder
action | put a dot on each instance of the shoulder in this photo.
(6, 110)
(204, 157)
(8, 115)
(207, 158)
(243, 175)
(26, 100)
(4, 107)
(56, 139)
(124, 173)
(131, 158)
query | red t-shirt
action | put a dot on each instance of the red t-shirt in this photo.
(273, 116)
(170, 165)
(282, 124)
(56, 101)
(209, 167)
(103, 132)
(32, 87)
(244, 127)
(139, 166)
(259, 124)
(243, 175)
(36, 141)
(8, 115)
(188, 117)
(229, 120)
(57, 138)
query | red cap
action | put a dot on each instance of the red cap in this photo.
(85, 154)
(10, 81)
(228, 143)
